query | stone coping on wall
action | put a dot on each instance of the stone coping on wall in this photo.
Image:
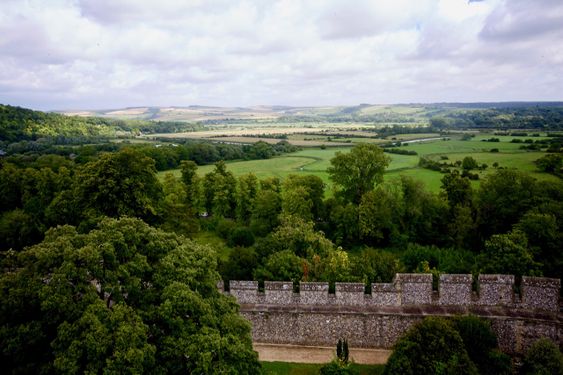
(422, 310)
(536, 293)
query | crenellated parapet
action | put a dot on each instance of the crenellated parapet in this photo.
(537, 293)
(496, 290)
(244, 291)
(540, 293)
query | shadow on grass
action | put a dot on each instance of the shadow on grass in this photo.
(286, 368)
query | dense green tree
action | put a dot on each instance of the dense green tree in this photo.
(550, 163)
(457, 190)
(379, 214)
(503, 198)
(343, 222)
(332, 267)
(241, 236)
(468, 163)
(439, 123)
(124, 297)
(119, 184)
(259, 150)
(10, 187)
(220, 191)
(203, 153)
(240, 265)
(357, 171)
(267, 207)
(431, 346)
(543, 358)
(545, 240)
(481, 344)
(295, 202)
(508, 254)
(300, 237)
(246, 193)
(310, 188)
(444, 260)
(177, 215)
(375, 266)
(191, 183)
(270, 183)
(282, 266)
(17, 229)
(423, 213)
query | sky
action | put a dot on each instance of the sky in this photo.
(102, 54)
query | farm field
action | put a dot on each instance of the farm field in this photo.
(316, 161)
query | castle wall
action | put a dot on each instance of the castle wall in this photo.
(377, 319)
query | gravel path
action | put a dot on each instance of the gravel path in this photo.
(317, 354)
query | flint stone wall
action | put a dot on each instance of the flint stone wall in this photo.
(316, 317)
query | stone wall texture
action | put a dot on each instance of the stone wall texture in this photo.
(316, 317)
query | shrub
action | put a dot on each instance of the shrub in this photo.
(225, 227)
(334, 368)
(240, 264)
(469, 163)
(550, 163)
(494, 149)
(481, 345)
(432, 346)
(471, 176)
(543, 358)
(341, 364)
(241, 236)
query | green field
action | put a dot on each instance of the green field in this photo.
(316, 161)
(285, 368)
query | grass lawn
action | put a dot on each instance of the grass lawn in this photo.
(214, 241)
(285, 368)
(316, 161)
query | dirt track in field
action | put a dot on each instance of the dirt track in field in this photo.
(317, 354)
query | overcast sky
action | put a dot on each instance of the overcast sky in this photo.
(92, 54)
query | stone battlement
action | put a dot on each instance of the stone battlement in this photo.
(537, 293)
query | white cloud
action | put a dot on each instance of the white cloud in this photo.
(111, 53)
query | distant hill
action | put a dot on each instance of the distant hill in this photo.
(19, 124)
(399, 113)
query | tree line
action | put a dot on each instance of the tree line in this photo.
(22, 124)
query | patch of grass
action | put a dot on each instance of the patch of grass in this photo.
(215, 242)
(286, 368)
(315, 161)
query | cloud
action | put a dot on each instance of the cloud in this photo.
(112, 53)
(521, 20)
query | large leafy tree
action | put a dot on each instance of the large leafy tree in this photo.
(543, 358)
(306, 191)
(509, 254)
(503, 198)
(220, 191)
(379, 212)
(357, 171)
(191, 183)
(246, 193)
(124, 297)
(119, 184)
(432, 346)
